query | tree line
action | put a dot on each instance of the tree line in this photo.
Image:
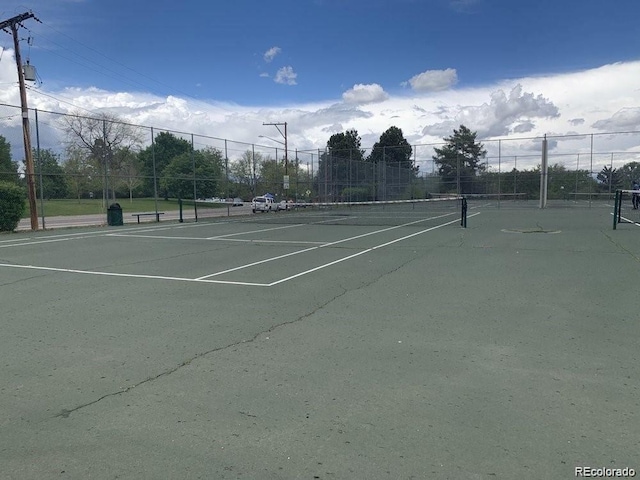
(103, 158)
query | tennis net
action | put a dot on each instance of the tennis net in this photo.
(372, 213)
(626, 208)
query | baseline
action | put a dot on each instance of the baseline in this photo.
(208, 278)
(131, 275)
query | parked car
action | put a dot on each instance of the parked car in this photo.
(262, 204)
(235, 202)
(285, 205)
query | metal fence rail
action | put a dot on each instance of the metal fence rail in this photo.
(86, 158)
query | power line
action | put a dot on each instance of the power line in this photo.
(119, 77)
(35, 90)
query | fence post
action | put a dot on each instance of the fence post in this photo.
(616, 210)
(40, 168)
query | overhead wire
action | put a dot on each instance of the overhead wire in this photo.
(118, 76)
(39, 92)
(107, 72)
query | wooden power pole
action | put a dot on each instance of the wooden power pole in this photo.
(13, 24)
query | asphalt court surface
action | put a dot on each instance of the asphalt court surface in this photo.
(236, 252)
(504, 350)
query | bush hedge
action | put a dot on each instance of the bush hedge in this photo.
(12, 203)
(356, 194)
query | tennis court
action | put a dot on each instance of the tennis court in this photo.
(324, 345)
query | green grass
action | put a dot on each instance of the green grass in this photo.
(85, 206)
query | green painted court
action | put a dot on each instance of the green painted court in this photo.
(290, 348)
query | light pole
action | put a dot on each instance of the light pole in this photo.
(284, 135)
(272, 139)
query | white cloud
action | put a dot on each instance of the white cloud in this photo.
(434, 80)
(605, 98)
(286, 76)
(270, 54)
(524, 127)
(264, 75)
(496, 117)
(625, 119)
(360, 94)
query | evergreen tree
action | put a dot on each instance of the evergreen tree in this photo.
(394, 168)
(460, 160)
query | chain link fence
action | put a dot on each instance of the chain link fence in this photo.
(100, 161)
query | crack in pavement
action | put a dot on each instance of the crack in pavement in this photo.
(65, 413)
(22, 280)
(617, 244)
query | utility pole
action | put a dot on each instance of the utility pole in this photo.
(13, 24)
(285, 180)
(286, 158)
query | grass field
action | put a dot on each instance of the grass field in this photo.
(63, 207)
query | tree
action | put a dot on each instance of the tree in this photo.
(392, 148)
(8, 169)
(12, 203)
(346, 145)
(82, 175)
(54, 182)
(628, 173)
(341, 166)
(561, 182)
(165, 148)
(271, 174)
(126, 171)
(100, 137)
(459, 161)
(178, 177)
(609, 178)
(394, 168)
(243, 173)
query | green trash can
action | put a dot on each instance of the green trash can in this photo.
(114, 215)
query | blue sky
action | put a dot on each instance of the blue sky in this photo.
(215, 50)
(502, 67)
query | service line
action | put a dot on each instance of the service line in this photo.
(298, 252)
(320, 267)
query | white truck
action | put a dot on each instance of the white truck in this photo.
(262, 204)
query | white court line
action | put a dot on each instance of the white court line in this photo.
(283, 242)
(129, 275)
(255, 231)
(628, 220)
(323, 246)
(206, 278)
(365, 251)
(83, 234)
(66, 235)
(201, 238)
(35, 242)
(222, 238)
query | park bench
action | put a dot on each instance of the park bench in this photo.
(155, 214)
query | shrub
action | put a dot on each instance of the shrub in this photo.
(356, 194)
(12, 201)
